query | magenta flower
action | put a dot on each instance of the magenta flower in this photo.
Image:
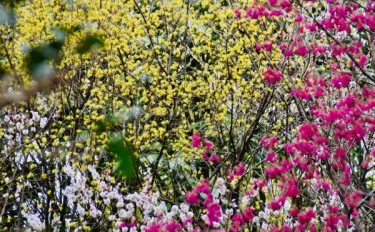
(286, 5)
(341, 81)
(173, 227)
(304, 217)
(213, 213)
(240, 170)
(237, 12)
(208, 144)
(192, 198)
(272, 2)
(272, 77)
(292, 189)
(269, 142)
(293, 211)
(288, 53)
(272, 172)
(215, 159)
(277, 203)
(154, 228)
(258, 47)
(302, 51)
(353, 199)
(276, 13)
(196, 140)
(122, 225)
(268, 46)
(248, 214)
(205, 156)
(271, 157)
(298, 19)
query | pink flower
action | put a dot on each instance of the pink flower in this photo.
(272, 77)
(298, 19)
(268, 46)
(353, 199)
(215, 159)
(292, 189)
(271, 157)
(302, 51)
(213, 213)
(308, 131)
(173, 227)
(230, 176)
(304, 217)
(154, 228)
(258, 47)
(238, 219)
(293, 211)
(286, 165)
(272, 2)
(302, 93)
(196, 140)
(237, 12)
(288, 53)
(341, 81)
(346, 176)
(277, 203)
(122, 225)
(362, 61)
(289, 149)
(248, 214)
(276, 13)
(240, 170)
(208, 144)
(285, 4)
(272, 172)
(192, 198)
(269, 142)
(205, 156)
(203, 187)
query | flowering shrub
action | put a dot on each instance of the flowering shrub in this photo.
(187, 116)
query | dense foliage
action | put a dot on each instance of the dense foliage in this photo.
(187, 115)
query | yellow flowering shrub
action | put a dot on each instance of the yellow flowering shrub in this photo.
(153, 73)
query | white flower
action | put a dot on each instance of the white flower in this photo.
(111, 217)
(174, 209)
(19, 126)
(287, 205)
(43, 122)
(107, 201)
(123, 214)
(205, 219)
(184, 208)
(120, 204)
(80, 210)
(6, 118)
(276, 213)
(245, 200)
(130, 207)
(35, 116)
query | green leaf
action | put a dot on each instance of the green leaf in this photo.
(124, 157)
(38, 58)
(89, 43)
